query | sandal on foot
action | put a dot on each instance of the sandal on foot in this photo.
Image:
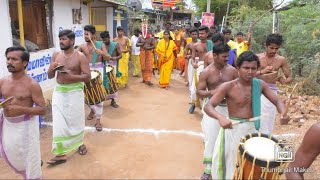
(82, 150)
(98, 126)
(54, 161)
(149, 83)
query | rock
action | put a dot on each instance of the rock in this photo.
(296, 118)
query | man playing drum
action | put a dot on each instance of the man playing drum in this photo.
(92, 50)
(243, 101)
(19, 125)
(68, 116)
(114, 50)
(199, 49)
(271, 63)
(211, 77)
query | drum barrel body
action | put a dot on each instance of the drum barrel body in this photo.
(249, 167)
(94, 90)
(257, 171)
(113, 85)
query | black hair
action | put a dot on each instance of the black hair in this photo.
(67, 32)
(217, 37)
(221, 48)
(274, 38)
(168, 32)
(247, 56)
(204, 28)
(119, 28)
(105, 34)
(213, 27)
(209, 35)
(193, 29)
(225, 31)
(90, 28)
(240, 33)
(25, 56)
(137, 30)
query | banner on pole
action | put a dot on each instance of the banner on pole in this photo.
(207, 19)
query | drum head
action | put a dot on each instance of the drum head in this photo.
(261, 148)
(94, 74)
(109, 68)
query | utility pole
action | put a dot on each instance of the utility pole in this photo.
(208, 5)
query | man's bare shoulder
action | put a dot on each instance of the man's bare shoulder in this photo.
(231, 68)
(261, 55)
(227, 85)
(80, 54)
(280, 58)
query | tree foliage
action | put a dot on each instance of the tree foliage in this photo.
(219, 7)
(300, 28)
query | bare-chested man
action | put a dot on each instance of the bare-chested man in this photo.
(217, 39)
(210, 78)
(125, 47)
(146, 45)
(19, 125)
(199, 49)
(95, 61)
(243, 100)
(306, 154)
(114, 50)
(188, 52)
(271, 63)
(68, 116)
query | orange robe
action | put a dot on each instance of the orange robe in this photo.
(146, 62)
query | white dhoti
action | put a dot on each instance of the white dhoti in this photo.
(68, 118)
(190, 74)
(193, 89)
(20, 145)
(268, 112)
(97, 108)
(210, 128)
(114, 65)
(226, 150)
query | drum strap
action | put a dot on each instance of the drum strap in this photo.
(95, 55)
(209, 45)
(111, 49)
(256, 101)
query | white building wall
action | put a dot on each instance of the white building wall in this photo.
(110, 21)
(5, 34)
(62, 19)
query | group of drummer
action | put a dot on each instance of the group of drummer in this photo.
(222, 82)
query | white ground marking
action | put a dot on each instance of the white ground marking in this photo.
(157, 132)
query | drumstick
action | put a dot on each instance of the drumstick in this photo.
(247, 120)
(278, 76)
(289, 101)
(92, 43)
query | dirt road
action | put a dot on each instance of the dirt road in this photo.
(138, 154)
(151, 136)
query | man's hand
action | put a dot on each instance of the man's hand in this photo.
(284, 120)
(212, 92)
(98, 51)
(225, 123)
(13, 109)
(195, 66)
(283, 80)
(266, 70)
